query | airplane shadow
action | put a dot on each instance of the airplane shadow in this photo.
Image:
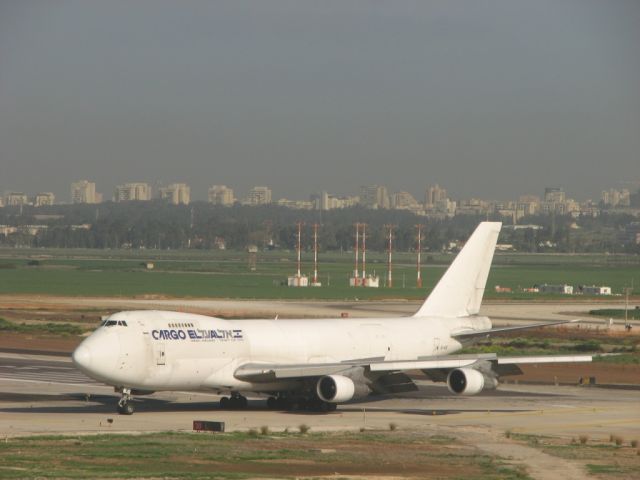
(106, 404)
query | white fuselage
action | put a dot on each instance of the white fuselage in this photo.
(159, 350)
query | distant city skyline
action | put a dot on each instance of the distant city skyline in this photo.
(436, 202)
(160, 189)
(491, 99)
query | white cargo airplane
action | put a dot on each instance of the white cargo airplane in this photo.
(310, 364)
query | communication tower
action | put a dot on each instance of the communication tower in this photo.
(389, 252)
(298, 280)
(419, 227)
(314, 280)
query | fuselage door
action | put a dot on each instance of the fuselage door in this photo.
(161, 358)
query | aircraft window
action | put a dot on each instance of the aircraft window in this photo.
(110, 323)
(124, 324)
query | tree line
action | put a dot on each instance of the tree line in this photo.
(158, 225)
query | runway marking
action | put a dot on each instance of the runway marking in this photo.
(529, 412)
(48, 377)
(96, 384)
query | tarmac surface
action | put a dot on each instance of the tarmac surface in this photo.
(500, 312)
(47, 395)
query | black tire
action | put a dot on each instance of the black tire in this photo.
(272, 403)
(125, 408)
(243, 402)
(225, 403)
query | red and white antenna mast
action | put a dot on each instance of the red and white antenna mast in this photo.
(389, 250)
(364, 253)
(299, 248)
(419, 251)
(356, 273)
(315, 253)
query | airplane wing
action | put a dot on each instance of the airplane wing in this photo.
(264, 372)
(467, 335)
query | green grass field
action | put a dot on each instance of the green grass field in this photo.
(227, 275)
(248, 455)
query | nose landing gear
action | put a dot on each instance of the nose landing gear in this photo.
(125, 407)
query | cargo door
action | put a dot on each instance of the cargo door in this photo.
(160, 353)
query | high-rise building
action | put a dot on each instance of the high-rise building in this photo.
(44, 198)
(221, 195)
(13, 199)
(321, 201)
(554, 195)
(258, 196)
(616, 198)
(403, 200)
(374, 196)
(132, 191)
(434, 195)
(83, 191)
(176, 193)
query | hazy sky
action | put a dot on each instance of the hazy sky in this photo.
(489, 98)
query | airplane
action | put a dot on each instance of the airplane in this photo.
(308, 364)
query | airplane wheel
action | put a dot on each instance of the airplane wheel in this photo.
(272, 403)
(333, 407)
(125, 409)
(238, 402)
(224, 403)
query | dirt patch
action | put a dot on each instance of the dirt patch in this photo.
(603, 373)
(25, 342)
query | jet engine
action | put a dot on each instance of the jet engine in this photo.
(335, 388)
(465, 381)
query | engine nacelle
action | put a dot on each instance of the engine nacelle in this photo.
(335, 388)
(465, 381)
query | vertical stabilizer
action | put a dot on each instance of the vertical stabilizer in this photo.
(459, 291)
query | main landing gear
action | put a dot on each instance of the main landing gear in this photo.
(125, 407)
(234, 402)
(293, 404)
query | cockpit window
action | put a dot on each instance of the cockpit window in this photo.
(111, 323)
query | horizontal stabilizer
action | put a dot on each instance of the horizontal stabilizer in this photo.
(466, 335)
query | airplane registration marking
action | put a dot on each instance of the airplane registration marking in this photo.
(197, 334)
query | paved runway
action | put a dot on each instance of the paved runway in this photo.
(46, 395)
(40, 369)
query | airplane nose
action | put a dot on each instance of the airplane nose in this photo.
(82, 357)
(97, 356)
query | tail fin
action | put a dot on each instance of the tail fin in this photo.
(459, 291)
